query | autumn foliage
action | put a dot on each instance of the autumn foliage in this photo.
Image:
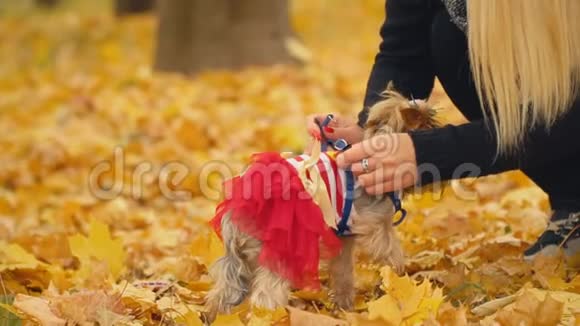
(75, 86)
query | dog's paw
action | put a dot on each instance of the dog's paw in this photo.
(265, 300)
(208, 317)
(343, 300)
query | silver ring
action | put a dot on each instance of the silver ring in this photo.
(365, 165)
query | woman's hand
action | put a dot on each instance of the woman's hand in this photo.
(392, 164)
(338, 128)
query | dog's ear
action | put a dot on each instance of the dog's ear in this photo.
(384, 116)
(421, 116)
(412, 118)
(395, 113)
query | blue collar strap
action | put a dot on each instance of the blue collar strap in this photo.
(398, 207)
(340, 145)
(342, 227)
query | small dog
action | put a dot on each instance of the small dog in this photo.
(250, 268)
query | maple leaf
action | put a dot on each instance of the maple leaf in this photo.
(139, 298)
(304, 318)
(451, 316)
(530, 306)
(428, 307)
(38, 309)
(386, 309)
(426, 259)
(208, 247)
(550, 272)
(13, 256)
(528, 310)
(86, 306)
(190, 319)
(107, 317)
(266, 317)
(228, 320)
(363, 320)
(98, 245)
(414, 302)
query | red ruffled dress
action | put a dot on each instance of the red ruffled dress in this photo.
(269, 202)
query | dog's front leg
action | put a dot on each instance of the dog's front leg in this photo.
(342, 276)
(378, 239)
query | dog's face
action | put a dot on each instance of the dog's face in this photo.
(397, 114)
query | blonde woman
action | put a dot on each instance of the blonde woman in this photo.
(513, 68)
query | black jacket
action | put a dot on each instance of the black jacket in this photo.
(414, 50)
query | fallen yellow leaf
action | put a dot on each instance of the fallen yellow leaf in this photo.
(208, 247)
(101, 246)
(386, 309)
(38, 309)
(12, 257)
(304, 318)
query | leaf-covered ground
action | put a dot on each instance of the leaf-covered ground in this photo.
(75, 86)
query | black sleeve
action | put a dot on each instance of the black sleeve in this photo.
(403, 56)
(451, 149)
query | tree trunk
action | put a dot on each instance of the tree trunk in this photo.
(128, 7)
(47, 3)
(195, 35)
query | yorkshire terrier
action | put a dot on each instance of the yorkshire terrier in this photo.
(266, 272)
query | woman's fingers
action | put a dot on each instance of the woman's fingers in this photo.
(395, 184)
(311, 126)
(313, 121)
(337, 128)
(378, 176)
(389, 176)
(381, 188)
(391, 163)
(359, 169)
(350, 134)
(356, 153)
(381, 146)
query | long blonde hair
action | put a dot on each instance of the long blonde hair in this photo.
(525, 57)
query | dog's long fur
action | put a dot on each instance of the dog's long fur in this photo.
(238, 274)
